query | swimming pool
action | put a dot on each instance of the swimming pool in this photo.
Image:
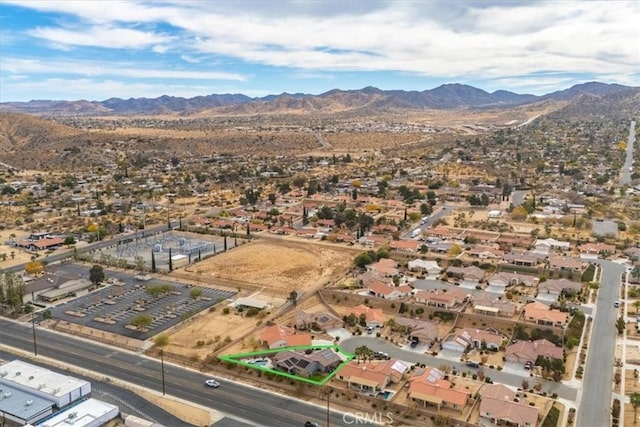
(387, 394)
(261, 362)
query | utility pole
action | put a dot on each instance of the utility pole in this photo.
(328, 395)
(33, 328)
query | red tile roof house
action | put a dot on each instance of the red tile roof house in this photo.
(277, 336)
(385, 267)
(485, 252)
(384, 290)
(406, 245)
(498, 406)
(528, 351)
(372, 377)
(37, 245)
(428, 387)
(373, 316)
(597, 249)
(462, 339)
(542, 315)
(440, 299)
(303, 363)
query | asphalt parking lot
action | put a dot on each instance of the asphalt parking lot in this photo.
(123, 302)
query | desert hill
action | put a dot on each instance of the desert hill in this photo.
(366, 101)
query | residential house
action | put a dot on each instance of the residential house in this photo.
(321, 320)
(428, 386)
(529, 351)
(384, 290)
(307, 363)
(500, 406)
(462, 339)
(551, 289)
(430, 268)
(595, 249)
(560, 263)
(484, 252)
(372, 377)
(523, 258)
(489, 305)
(541, 314)
(469, 277)
(385, 267)
(500, 281)
(544, 246)
(277, 336)
(373, 316)
(440, 298)
(38, 244)
(406, 245)
(423, 330)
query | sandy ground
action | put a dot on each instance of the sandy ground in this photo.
(281, 266)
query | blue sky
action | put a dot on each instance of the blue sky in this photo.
(95, 50)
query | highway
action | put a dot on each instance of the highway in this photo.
(595, 405)
(242, 402)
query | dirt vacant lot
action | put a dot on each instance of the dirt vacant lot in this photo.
(279, 266)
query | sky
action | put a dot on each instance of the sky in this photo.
(96, 50)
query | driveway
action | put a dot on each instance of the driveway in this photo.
(564, 391)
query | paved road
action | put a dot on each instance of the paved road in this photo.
(377, 344)
(433, 218)
(628, 163)
(247, 404)
(517, 197)
(128, 401)
(595, 405)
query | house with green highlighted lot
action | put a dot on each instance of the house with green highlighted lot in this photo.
(306, 363)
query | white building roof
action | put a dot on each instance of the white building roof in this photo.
(38, 378)
(86, 413)
(250, 302)
(21, 404)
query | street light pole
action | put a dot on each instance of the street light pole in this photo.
(162, 366)
(33, 327)
(328, 395)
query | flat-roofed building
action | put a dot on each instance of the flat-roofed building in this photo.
(59, 389)
(18, 407)
(89, 413)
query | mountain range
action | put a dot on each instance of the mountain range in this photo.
(369, 100)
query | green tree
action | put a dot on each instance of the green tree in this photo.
(362, 260)
(635, 402)
(141, 321)
(363, 353)
(96, 274)
(620, 325)
(195, 293)
(293, 297)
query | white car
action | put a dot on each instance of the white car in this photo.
(212, 383)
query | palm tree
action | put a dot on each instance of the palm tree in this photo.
(363, 353)
(635, 402)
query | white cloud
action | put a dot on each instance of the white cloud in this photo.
(95, 68)
(468, 40)
(112, 38)
(104, 89)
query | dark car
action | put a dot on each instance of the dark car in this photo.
(473, 364)
(311, 424)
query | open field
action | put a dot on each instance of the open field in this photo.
(280, 266)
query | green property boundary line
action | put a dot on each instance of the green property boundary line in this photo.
(234, 358)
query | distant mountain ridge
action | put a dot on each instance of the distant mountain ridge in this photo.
(365, 100)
